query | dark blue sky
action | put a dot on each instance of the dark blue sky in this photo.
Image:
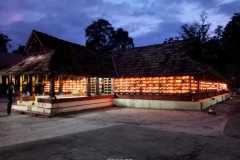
(148, 21)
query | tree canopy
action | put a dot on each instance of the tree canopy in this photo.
(198, 31)
(101, 36)
(219, 49)
(230, 42)
(122, 40)
(4, 43)
(231, 39)
(20, 50)
(196, 36)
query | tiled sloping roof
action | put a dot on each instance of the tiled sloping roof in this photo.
(63, 57)
(156, 60)
(54, 43)
(72, 58)
(32, 64)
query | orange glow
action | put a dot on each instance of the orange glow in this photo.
(69, 86)
(212, 86)
(78, 86)
(173, 84)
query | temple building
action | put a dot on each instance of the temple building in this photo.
(74, 69)
(56, 70)
(164, 76)
(59, 76)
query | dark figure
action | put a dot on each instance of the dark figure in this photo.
(10, 92)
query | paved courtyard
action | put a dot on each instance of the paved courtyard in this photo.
(123, 133)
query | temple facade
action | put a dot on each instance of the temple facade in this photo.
(58, 76)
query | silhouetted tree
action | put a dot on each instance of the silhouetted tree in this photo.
(213, 52)
(4, 43)
(218, 33)
(197, 31)
(20, 50)
(231, 39)
(101, 36)
(220, 50)
(195, 36)
(122, 40)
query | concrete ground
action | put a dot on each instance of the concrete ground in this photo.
(122, 133)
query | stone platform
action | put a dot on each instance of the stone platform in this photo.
(42, 105)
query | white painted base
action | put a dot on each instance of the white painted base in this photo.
(170, 104)
(63, 107)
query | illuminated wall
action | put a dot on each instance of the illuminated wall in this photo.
(106, 86)
(78, 86)
(171, 84)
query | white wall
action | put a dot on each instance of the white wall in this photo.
(170, 104)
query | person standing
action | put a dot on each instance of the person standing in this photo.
(10, 92)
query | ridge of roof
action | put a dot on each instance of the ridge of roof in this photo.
(175, 42)
(46, 37)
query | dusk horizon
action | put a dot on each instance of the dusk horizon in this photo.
(148, 22)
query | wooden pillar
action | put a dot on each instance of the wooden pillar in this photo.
(159, 85)
(30, 88)
(102, 84)
(97, 86)
(190, 88)
(60, 90)
(198, 86)
(33, 79)
(140, 88)
(45, 78)
(174, 85)
(13, 79)
(190, 84)
(112, 86)
(52, 87)
(9, 79)
(88, 86)
(85, 86)
(21, 87)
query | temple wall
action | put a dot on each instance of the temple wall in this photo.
(166, 85)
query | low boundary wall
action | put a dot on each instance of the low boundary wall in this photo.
(45, 106)
(170, 104)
